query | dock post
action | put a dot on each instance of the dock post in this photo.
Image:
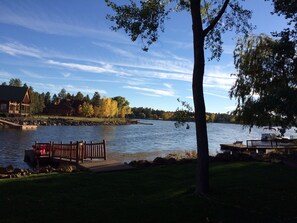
(70, 151)
(77, 145)
(104, 146)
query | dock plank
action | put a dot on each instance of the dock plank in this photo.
(104, 166)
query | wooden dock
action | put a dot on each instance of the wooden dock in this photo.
(17, 126)
(260, 146)
(72, 152)
(104, 166)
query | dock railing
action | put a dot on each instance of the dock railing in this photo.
(76, 152)
(273, 144)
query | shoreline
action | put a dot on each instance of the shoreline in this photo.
(10, 171)
(70, 121)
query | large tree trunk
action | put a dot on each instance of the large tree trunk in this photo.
(202, 181)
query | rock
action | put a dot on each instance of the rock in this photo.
(4, 176)
(9, 168)
(17, 170)
(227, 157)
(140, 163)
(160, 161)
(171, 160)
(3, 170)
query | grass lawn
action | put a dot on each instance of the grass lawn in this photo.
(240, 192)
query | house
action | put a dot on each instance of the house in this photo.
(14, 100)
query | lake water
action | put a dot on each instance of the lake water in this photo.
(124, 143)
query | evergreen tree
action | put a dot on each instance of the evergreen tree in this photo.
(96, 99)
(16, 82)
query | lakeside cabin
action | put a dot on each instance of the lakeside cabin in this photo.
(14, 101)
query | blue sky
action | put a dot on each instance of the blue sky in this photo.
(55, 44)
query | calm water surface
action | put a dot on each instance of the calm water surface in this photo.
(125, 142)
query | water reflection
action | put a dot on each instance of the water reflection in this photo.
(125, 142)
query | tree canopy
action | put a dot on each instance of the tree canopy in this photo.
(210, 19)
(266, 85)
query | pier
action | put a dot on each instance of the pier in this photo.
(17, 126)
(86, 156)
(72, 152)
(262, 146)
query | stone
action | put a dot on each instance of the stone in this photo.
(159, 161)
(9, 168)
(3, 170)
(4, 176)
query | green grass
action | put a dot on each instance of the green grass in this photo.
(240, 192)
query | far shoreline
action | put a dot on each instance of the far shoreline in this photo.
(69, 121)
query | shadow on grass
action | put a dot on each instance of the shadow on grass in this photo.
(241, 192)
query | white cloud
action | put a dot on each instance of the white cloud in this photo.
(4, 74)
(66, 75)
(216, 95)
(218, 79)
(230, 108)
(167, 85)
(83, 67)
(116, 50)
(16, 49)
(33, 75)
(34, 17)
(53, 88)
(155, 92)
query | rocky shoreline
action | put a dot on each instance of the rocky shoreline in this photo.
(289, 160)
(69, 122)
(10, 172)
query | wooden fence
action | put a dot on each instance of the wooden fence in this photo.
(76, 152)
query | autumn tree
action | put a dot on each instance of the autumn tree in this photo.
(210, 19)
(105, 107)
(86, 109)
(113, 109)
(123, 106)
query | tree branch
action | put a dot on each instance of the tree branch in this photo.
(215, 21)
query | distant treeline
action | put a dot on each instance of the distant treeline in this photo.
(149, 113)
(64, 103)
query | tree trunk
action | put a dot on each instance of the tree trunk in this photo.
(202, 179)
